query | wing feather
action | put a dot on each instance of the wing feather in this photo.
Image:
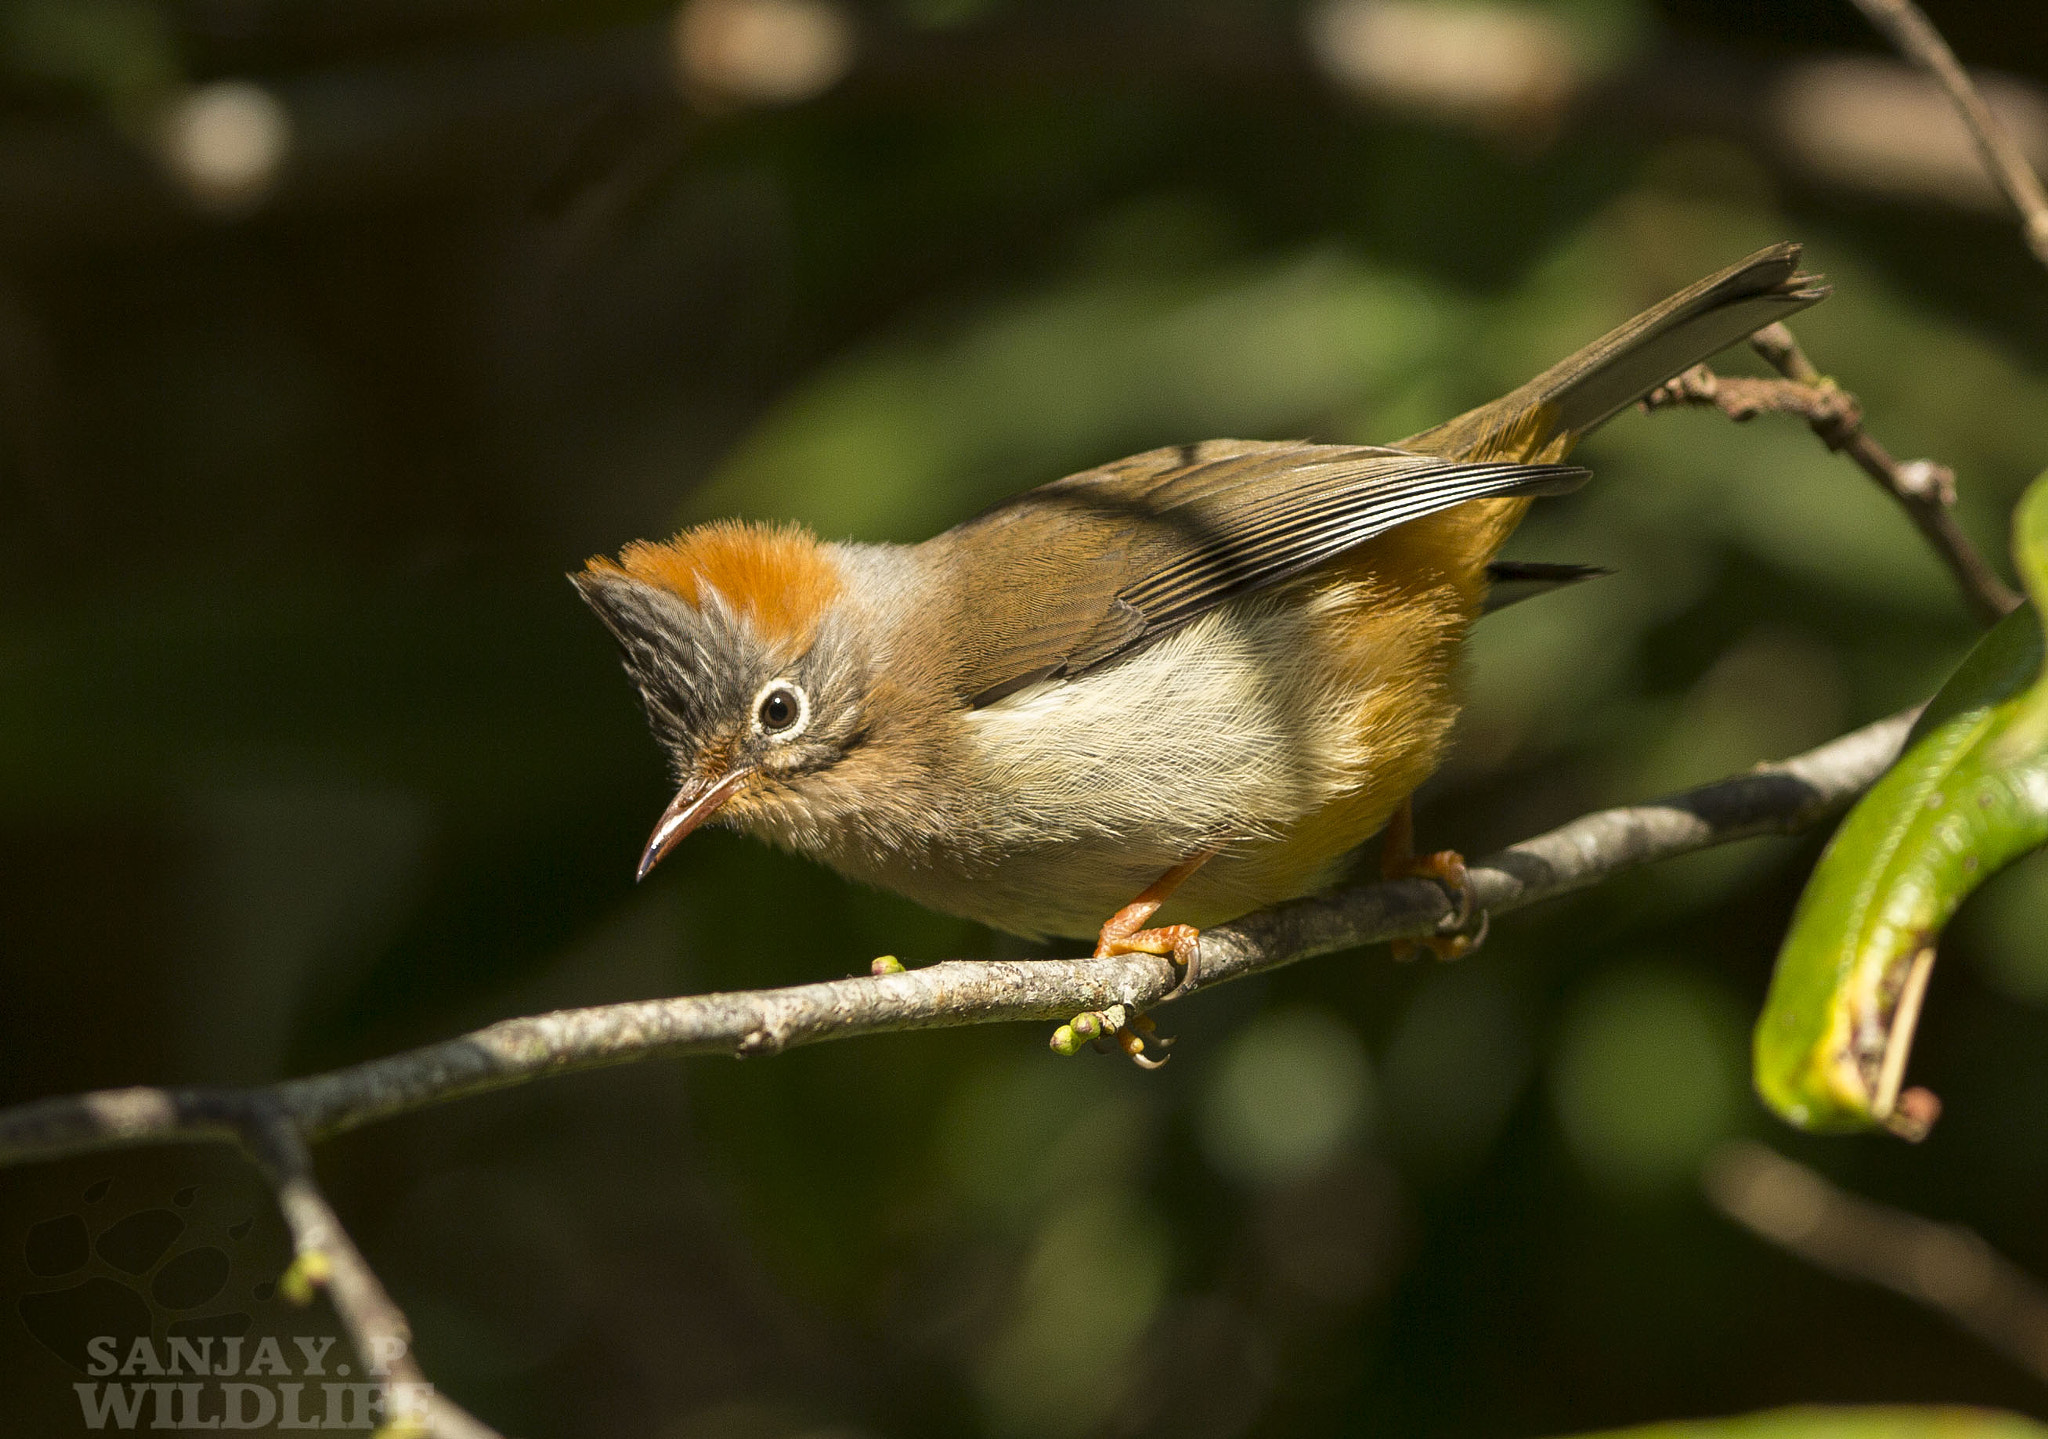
(1117, 557)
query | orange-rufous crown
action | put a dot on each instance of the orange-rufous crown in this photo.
(778, 576)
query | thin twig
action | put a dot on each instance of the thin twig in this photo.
(1943, 1266)
(325, 1257)
(1903, 23)
(1926, 490)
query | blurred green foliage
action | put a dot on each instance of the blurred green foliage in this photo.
(307, 752)
(1844, 1424)
(1642, 1082)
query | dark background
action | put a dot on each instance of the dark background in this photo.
(308, 752)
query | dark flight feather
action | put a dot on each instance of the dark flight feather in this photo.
(1509, 582)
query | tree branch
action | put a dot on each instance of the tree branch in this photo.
(1925, 489)
(1779, 798)
(1906, 26)
(1949, 1269)
(274, 1123)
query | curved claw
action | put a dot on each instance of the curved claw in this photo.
(1133, 1046)
(1446, 946)
(1459, 884)
(1478, 937)
(1188, 955)
(1144, 1025)
(1100, 1028)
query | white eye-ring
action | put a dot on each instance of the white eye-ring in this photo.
(781, 709)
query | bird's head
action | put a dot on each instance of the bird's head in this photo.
(752, 678)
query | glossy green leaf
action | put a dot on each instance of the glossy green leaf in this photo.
(1968, 797)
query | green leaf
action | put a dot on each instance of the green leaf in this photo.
(1968, 797)
(1814, 1422)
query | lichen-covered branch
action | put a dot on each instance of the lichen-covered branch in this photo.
(1926, 490)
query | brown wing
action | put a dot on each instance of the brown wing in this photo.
(1078, 572)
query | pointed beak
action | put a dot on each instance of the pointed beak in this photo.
(693, 804)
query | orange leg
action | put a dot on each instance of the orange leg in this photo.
(1126, 933)
(1398, 860)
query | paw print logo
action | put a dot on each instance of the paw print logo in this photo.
(161, 1272)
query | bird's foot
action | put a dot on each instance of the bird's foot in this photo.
(1126, 933)
(1455, 945)
(1117, 1025)
(1398, 860)
(1182, 943)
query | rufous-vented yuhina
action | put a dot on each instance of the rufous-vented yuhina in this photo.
(1202, 674)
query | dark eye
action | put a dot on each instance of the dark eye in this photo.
(779, 709)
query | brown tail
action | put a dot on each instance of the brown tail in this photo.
(1544, 418)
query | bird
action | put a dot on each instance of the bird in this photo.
(1197, 678)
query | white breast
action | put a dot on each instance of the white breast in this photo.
(1223, 726)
